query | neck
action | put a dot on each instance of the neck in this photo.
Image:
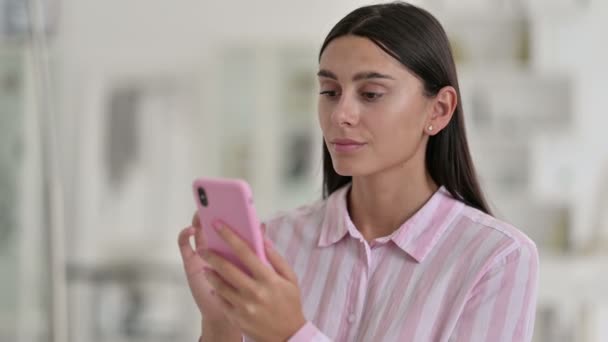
(379, 204)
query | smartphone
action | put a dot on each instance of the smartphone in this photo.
(231, 201)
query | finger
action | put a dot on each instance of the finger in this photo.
(223, 303)
(229, 300)
(229, 310)
(222, 289)
(198, 236)
(279, 263)
(193, 263)
(195, 220)
(230, 273)
(244, 252)
(183, 241)
(199, 239)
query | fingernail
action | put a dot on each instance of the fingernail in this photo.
(217, 224)
(268, 243)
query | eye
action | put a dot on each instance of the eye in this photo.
(371, 96)
(329, 93)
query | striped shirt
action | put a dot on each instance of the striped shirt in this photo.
(449, 273)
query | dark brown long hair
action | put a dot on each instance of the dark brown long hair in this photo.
(416, 39)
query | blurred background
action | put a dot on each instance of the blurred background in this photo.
(109, 109)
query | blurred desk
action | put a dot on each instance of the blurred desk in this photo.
(132, 301)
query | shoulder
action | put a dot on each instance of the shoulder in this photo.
(504, 242)
(496, 226)
(309, 214)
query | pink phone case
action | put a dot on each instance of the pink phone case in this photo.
(231, 201)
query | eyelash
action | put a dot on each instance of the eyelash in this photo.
(375, 96)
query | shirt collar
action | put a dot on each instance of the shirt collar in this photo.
(416, 237)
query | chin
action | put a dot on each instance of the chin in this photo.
(342, 172)
(349, 169)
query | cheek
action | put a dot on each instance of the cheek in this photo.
(395, 119)
(397, 132)
(323, 116)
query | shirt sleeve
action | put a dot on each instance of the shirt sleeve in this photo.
(309, 333)
(502, 305)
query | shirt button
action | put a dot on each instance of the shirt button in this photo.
(351, 318)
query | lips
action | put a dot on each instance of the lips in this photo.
(346, 142)
(346, 145)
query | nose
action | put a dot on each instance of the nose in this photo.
(345, 112)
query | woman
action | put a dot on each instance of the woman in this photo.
(403, 246)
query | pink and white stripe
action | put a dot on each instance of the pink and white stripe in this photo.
(450, 273)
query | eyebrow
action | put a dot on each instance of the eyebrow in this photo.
(358, 76)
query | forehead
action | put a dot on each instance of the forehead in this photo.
(351, 54)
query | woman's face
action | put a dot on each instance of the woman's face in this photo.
(372, 110)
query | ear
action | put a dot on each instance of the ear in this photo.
(442, 108)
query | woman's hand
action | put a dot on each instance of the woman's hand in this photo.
(265, 306)
(207, 302)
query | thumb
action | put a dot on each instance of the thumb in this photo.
(263, 227)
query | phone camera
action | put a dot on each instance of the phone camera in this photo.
(202, 196)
